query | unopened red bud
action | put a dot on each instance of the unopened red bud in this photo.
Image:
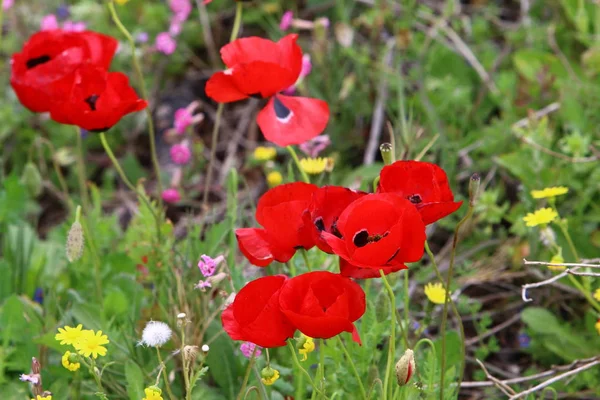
(405, 367)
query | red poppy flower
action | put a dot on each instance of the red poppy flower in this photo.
(324, 210)
(424, 184)
(95, 99)
(321, 304)
(49, 56)
(255, 316)
(280, 212)
(261, 68)
(379, 231)
(352, 271)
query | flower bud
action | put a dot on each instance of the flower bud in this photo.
(155, 389)
(181, 315)
(269, 375)
(32, 179)
(405, 367)
(75, 242)
(387, 153)
(205, 348)
(474, 184)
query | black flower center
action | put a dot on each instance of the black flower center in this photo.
(34, 62)
(362, 238)
(415, 198)
(91, 101)
(281, 111)
(319, 224)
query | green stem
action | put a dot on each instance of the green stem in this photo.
(95, 257)
(565, 232)
(129, 184)
(301, 368)
(392, 346)
(353, 367)
(165, 377)
(186, 377)
(81, 173)
(322, 363)
(406, 305)
(292, 152)
(142, 84)
(454, 310)
(305, 256)
(237, 22)
(448, 282)
(432, 346)
(95, 375)
(247, 375)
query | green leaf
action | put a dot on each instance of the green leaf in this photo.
(135, 380)
(115, 303)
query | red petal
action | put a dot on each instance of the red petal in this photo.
(222, 89)
(256, 245)
(356, 336)
(307, 119)
(262, 78)
(352, 271)
(431, 212)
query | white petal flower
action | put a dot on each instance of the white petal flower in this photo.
(155, 334)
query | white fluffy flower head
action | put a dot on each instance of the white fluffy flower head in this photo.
(155, 334)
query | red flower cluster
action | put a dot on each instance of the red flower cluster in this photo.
(369, 232)
(261, 68)
(66, 74)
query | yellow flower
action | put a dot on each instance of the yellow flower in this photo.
(307, 347)
(121, 2)
(68, 335)
(557, 259)
(274, 178)
(69, 361)
(597, 294)
(269, 376)
(39, 397)
(262, 153)
(90, 345)
(549, 192)
(436, 293)
(313, 166)
(598, 326)
(152, 393)
(542, 216)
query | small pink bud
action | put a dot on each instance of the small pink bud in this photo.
(49, 22)
(165, 44)
(171, 195)
(286, 20)
(208, 265)
(405, 368)
(180, 154)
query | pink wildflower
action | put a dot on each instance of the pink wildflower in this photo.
(49, 22)
(71, 26)
(180, 154)
(306, 68)
(202, 285)
(181, 9)
(286, 20)
(247, 349)
(171, 195)
(165, 43)
(313, 147)
(183, 119)
(7, 4)
(208, 265)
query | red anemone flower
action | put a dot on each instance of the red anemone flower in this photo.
(255, 316)
(95, 99)
(324, 210)
(280, 212)
(423, 184)
(49, 56)
(321, 304)
(261, 68)
(379, 231)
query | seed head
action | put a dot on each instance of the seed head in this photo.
(75, 242)
(155, 334)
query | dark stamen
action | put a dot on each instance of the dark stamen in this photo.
(320, 224)
(91, 101)
(362, 238)
(34, 62)
(334, 229)
(415, 198)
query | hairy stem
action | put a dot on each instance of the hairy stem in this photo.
(165, 377)
(247, 374)
(353, 367)
(387, 387)
(81, 173)
(292, 152)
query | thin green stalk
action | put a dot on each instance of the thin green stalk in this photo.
(215, 132)
(292, 152)
(184, 363)
(565, 232)
(97, 379)
(454, 310)
(305, 256)
(142, 85)
(392, 346)
(448, 282)
(322, 363)
(301, 368)
(406, 301)
(81, 173)
(353, 367)
(95, 257)
(247, 374)
(432, 347)
(165, 377)
(130, 185)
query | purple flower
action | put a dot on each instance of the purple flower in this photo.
(183, 119)
(38, 296)
(7, 4)
(524, 340)
(33, 378)
(171, 195)
(181, 9)
(49, 22)
(247, 349)
(180, 154)
(314, 146)
(62, 12)
(208, 265)
(306, 68)
(286, 20)
(175, 27)
(165, 43)
(71, 26)
(202, 285)
(142, 37)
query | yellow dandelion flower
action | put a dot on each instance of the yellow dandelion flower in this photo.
(597, 294)
(313, 166)
(70, 361)
(549, 192)
(262, 153)
(274, 178)
(436, 293)
(308, 346)
(40, 397)
(557, 259)
(152, 393)
(91, 344)
(69, 335)
(269, 375)
(598, 326)
(542, 216)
